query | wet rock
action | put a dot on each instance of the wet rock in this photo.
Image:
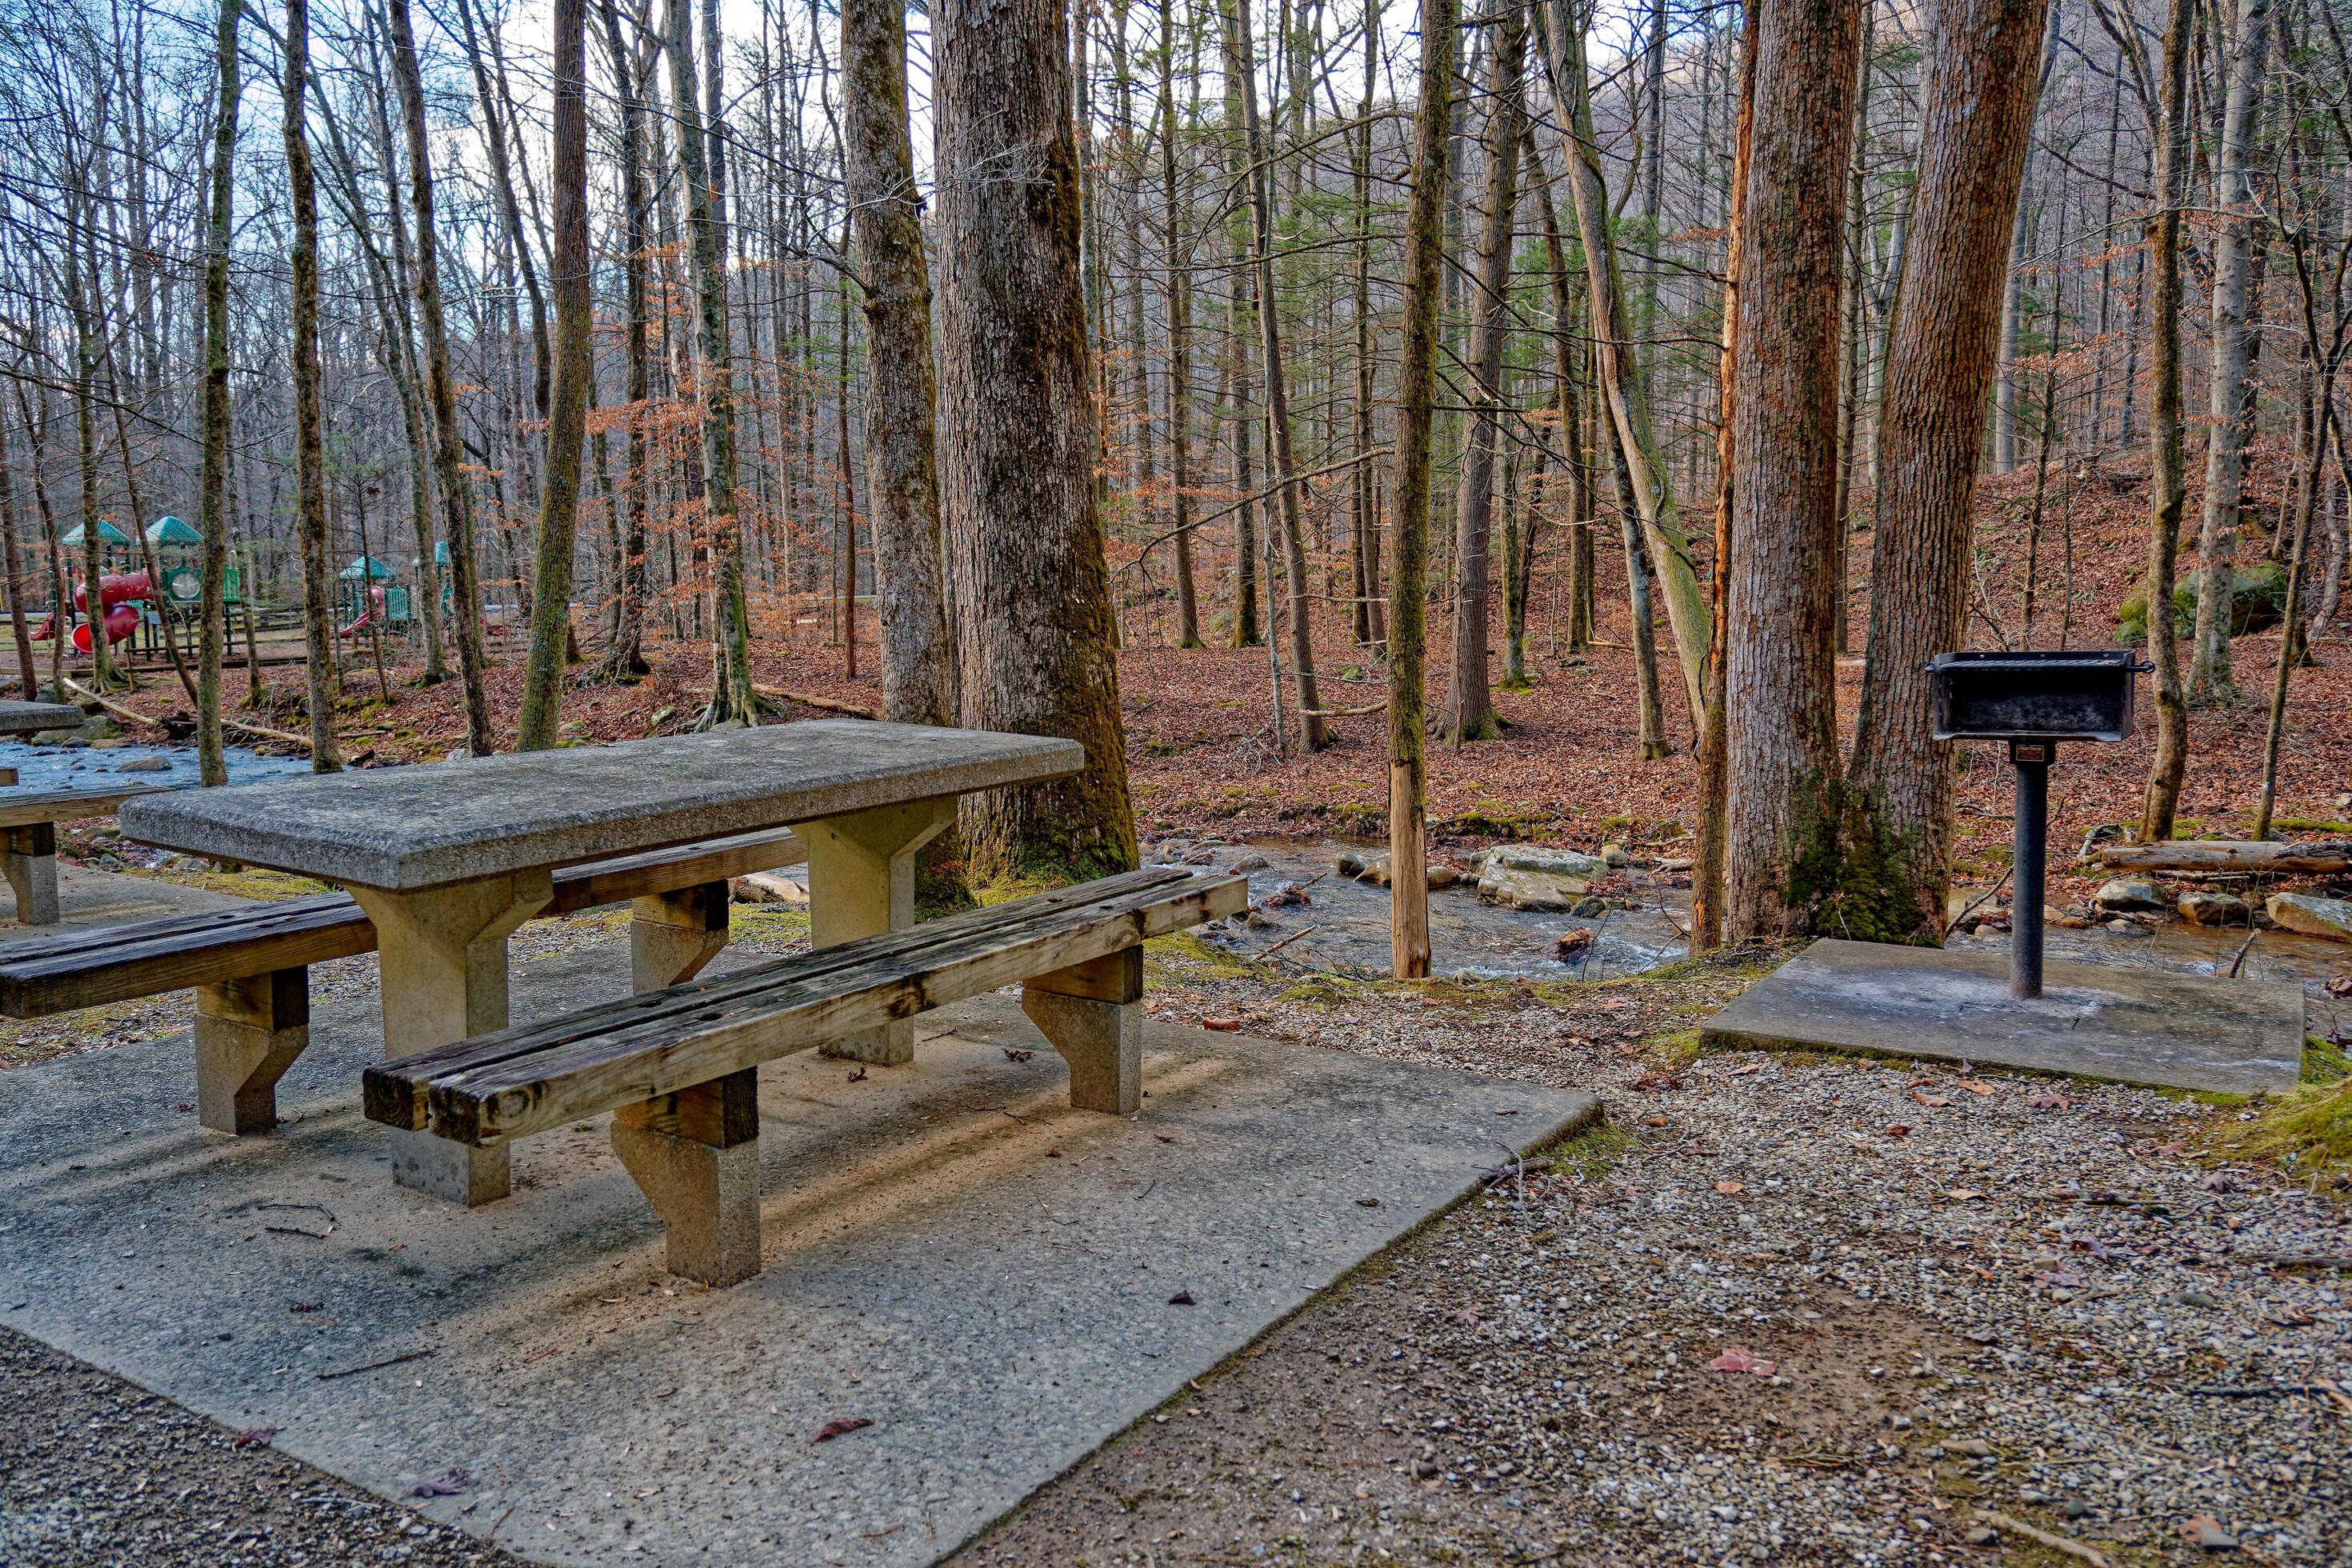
(769, 887)
(1248, 863)
(144, 765)
(53, 737)
(2123, 927)
(2312, 915)
(98, 727)
(1590, 909)
(2128, 893)
(1614, 857)
(2065, 920)
(1674, 865)
(1356, 862)
(1444, 876)
(2214, 909)
(1523, 877)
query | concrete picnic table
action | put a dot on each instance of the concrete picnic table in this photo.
(18, 717)
(448, 860)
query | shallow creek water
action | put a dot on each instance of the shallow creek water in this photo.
(1350, 931)
(43, 768)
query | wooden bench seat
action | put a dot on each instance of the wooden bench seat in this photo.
(28, 840)
(249, 967)
(678, 1066)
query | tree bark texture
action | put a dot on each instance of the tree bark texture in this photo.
(1018, 427)
(2211, 679)
(1781, 678)
(1976, 122)
(1469, 711)
(731, 697)
(902, 477)
(212, 487)
(1424, 241)
(449, 451)
(309, 420)
(2168, 465)
(567, 424)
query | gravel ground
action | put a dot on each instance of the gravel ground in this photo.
(97, 1472)
(1952, 1293)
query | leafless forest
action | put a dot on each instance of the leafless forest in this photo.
(617, 331)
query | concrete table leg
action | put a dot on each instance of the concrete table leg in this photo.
(442, 953)
(861, 875)
(248, 1032)
(673, 935)
(696, 1156)
(1092, 1013)
(28, 858)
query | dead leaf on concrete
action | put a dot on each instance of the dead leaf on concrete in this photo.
(839, 1427)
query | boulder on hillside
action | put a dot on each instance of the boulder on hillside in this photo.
(2312, 915)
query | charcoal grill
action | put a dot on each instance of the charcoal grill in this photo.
(2033, 701)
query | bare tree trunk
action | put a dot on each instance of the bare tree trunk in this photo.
(1364, 517)
(1425, 243)
(448, 461)
(1976, 123)
(2166, 500)
(487, 112)
(1469, 710)
(625, 659)
(309, 433)
(1709, 865)
(1178, 287)
(2209, 676)
(1031, 588)
(1240, 69)
(575, 366)
(1620, 379)
(13, 564)
(1780, 736)
(918, 667)
(732, 698)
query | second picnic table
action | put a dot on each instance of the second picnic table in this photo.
(448, 860)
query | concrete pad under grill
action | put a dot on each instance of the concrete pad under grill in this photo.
(950, 1254)
(2130, 1025)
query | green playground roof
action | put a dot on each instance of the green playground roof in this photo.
(172, 530)
(107, 534)
(365, 566)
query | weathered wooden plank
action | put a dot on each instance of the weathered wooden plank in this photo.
(49, 975)
(521, 1080)
(652, 1007)
(68, 805)
(589, 1076)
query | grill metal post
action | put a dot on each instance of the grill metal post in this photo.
(2028, 863)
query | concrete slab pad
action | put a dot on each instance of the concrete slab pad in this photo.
(18, 717)
(951, 1252)
(2131, 1024)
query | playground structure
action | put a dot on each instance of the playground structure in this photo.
(369, 596)
(133, 607)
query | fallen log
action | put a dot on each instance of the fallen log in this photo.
(823, 704)
(283, 737)
(2230, 854)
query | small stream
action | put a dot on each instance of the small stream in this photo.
(99, 765)
(1350, 935)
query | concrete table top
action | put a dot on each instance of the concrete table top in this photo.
(414, 827)
(21, 718)
(2093, 1020)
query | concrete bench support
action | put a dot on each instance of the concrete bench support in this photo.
(861, 873)
(1092, 1013)
(28, 858)
(673, 935)
(248, 1032)
(443, 955)
(696, 1156)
